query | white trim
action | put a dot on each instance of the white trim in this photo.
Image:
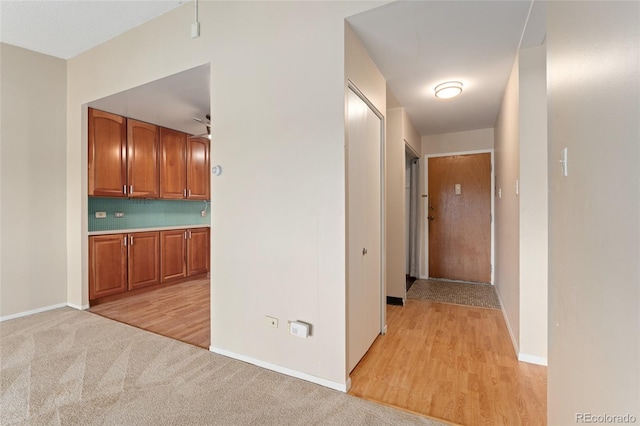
(32, 311)
(286, 371)
(533, 359)
(78, 307)
(493, 198)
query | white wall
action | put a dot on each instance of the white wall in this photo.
(507, 205)
(32, 176)
(278, 223)
(533, 204)
(470, 140)
(594, 214)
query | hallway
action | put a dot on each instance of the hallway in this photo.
(454, 363)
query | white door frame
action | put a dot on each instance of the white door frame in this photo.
(383, 249)
(425, 208)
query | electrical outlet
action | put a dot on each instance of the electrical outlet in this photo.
(270, 321)
(101, 215)
(203, 213)
(119, 214)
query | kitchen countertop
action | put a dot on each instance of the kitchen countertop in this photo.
(158, 228)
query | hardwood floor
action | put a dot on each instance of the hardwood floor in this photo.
(454, 363)
(179, 311)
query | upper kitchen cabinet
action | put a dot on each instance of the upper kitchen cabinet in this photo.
(198, 168)
(173, 164)
(123, 157)
(184, 166)
(143, 160)
(107, 154)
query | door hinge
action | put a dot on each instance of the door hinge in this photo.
(490, 217)
(491, 268)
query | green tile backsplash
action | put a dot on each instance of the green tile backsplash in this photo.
(139, 213)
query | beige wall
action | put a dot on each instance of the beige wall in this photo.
(400, 133)
(533, 204)
(594, 215)
(507, 205)
(32, 175)
(278, 220)
(410, 135)
(395, 213)
(471, 140)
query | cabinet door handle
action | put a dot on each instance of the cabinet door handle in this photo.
(185, 192)
(188, 193)
(189, 233)
(130, 189)
(131, 240)
(125, 240)
(185, 235)
(124, 189)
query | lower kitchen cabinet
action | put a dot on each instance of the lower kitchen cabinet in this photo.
(173, 251)
(144, 259)
(107, 265)
(130, 261)
(184, 253)
(197, 251)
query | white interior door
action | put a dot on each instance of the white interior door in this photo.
(364, 224)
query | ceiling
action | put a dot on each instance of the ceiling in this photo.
(415, 44)
(418, 44)
(172, 102)
(65, 29)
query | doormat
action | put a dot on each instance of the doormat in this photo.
(455, 292)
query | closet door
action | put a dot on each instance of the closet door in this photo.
(364, 224)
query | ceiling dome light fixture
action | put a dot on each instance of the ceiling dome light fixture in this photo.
(449, 89)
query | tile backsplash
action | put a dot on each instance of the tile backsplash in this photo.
(141, 213)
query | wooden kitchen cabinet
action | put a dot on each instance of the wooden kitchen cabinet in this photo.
(173, 164)
(143, 259)
(197, 251)
(123, 157)
(122, 262)
(107, 265)
(198, 169)
(172, 255)
(107, 158)
(143, 160)
(184, 166)
(184, 253)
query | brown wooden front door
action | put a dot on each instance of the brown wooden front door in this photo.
(460, 217)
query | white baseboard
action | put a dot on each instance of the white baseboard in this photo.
(78, 307)
(532, 359)
(32, 311)
(514, 342)
(286, 371)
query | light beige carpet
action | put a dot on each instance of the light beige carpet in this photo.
(67, 367)
(455, 292)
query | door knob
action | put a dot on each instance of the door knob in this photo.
(431, 218)
(364, 251)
